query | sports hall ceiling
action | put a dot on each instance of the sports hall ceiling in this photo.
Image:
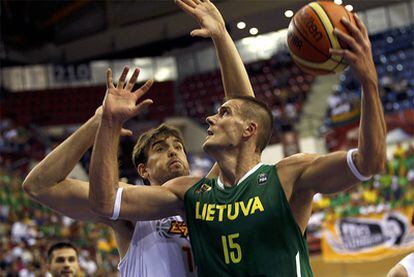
(80, 30)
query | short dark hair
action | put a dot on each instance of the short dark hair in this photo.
(59, 245)
(254, 109)
(140, 152)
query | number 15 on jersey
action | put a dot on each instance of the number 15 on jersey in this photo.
(232, 250)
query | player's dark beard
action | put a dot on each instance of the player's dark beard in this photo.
(175, 174)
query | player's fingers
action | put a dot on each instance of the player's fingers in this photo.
(197, 2)
(133, 79)
(109, 82)
(361, 25)
(186, 8)
(126, 132)
(121, 81)
(348, 56)
(138, 108)
(200, 33)
(142, 90)
(350, 41)
(189, 3)
(353, 30)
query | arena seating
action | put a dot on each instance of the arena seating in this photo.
(75, 105)
(277, 81)
(393, 53)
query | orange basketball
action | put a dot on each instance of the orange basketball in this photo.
(310, 35)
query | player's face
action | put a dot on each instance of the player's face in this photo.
(64, 263)
(166, 160)
(226, 127)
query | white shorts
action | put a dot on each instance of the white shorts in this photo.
(408, 264)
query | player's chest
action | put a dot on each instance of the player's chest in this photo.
(217, 209)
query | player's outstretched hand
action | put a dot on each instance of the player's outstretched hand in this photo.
(208, 16)
(359, 55)
(120, 103)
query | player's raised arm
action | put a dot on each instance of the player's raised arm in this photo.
(235, 79)
(340, 170)
(47, 182)
(105, 198)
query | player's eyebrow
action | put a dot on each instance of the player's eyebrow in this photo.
(224, 108)
(160, 141)
(178, 141)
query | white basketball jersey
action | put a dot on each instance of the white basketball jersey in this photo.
(159, 248)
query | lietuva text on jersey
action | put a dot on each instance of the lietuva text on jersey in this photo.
(245, 230)
(231, 211)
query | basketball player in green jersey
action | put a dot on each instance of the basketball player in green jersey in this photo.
(251, 220)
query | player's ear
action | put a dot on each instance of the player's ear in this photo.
(250, 129)
(142, 171)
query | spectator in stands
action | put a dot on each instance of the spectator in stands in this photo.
(87, 263)
(399, 151)
(62, 259)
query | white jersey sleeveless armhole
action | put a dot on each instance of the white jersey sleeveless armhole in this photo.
(159, 248)
(408, 264)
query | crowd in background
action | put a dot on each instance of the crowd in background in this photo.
(27, 229)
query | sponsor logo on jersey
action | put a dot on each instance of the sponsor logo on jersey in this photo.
(232, 211)
(179, 228)
(262, 179)
(170, 227)
(203, 188)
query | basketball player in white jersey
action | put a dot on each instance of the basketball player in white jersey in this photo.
(146, 248)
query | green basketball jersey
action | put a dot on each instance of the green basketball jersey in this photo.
(245, 230)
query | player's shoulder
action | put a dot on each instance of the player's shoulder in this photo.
(124, 185)
(180, 185)
(297, 160)
(183, 180)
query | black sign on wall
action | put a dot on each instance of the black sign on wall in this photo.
(71, 73)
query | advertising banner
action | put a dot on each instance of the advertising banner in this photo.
(368, 238)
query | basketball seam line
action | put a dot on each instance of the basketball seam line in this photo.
(320, 20)
(338, 64)
(310, 69)
(313, 64)
(342, 58)
(304, 38)
(326, 32)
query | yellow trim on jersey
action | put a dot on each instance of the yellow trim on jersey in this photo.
(326, 22)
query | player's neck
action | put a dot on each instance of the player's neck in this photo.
(233, 166)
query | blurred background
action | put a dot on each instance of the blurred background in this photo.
(54, 55)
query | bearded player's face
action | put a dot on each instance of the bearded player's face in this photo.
(166, 160)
